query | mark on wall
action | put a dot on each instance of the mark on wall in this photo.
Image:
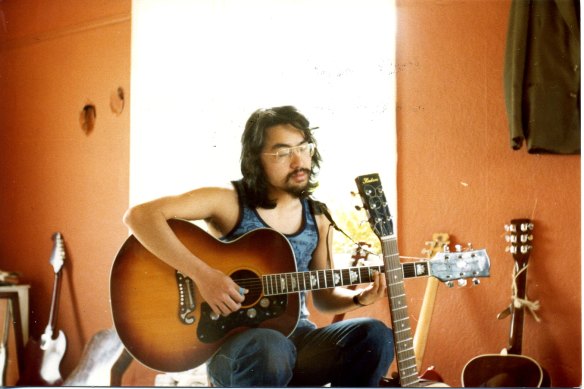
(87, 118)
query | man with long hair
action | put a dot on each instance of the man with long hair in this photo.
(279, 164)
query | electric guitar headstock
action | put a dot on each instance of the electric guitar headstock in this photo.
(519, 237)
(375, 204)
(57, 258)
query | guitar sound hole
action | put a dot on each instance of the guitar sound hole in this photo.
(250, 281)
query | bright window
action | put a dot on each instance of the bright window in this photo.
(200, 68)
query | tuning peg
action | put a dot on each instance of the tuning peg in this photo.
(526, 227)
(476, 281)
(510, 228)
(462, 282)
(525, 249)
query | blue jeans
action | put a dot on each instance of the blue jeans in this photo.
(355, 352)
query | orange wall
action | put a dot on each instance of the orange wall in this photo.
(458, 174)
(55, 57)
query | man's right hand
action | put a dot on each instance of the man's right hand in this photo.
(219, 291)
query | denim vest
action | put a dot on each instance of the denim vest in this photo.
(303, 242)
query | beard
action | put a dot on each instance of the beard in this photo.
(299, 190)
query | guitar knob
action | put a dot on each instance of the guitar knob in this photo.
(476, 281)
(449, 284)
(251, 313)
(214, 316)
(462, 282)
(458, 248)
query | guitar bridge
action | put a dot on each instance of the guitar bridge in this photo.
(186, 298)
(213, 327)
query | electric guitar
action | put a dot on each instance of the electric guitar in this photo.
(164, 323)
(510, 368)
(375, 203)
(44, 358)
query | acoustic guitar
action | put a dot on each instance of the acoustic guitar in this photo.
(43, 359)
(510, 368)
(165, 324)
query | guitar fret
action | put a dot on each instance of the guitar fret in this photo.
(321, 279)
(409, 270)
(309, 283)
(328, 275)
(284, 282)
(289, 283)
(346, 276)
(337, 278)
(278, 284)
(269, 285)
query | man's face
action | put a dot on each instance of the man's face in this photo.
(286, 158)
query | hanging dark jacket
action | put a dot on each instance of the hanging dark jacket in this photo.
(542, 75)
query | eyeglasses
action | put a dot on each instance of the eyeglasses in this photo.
(285, 154)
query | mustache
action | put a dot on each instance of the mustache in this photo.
(298, 170)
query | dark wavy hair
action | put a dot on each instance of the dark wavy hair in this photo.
(252, 141)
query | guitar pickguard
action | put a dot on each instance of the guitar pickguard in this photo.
(212, 327)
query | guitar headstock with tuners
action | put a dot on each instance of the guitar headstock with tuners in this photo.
(519, 237)
(375, 204)
(459, 265)
(57, 258)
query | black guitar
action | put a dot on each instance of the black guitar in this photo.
(510, 368)
(381, 223)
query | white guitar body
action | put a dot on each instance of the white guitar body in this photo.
(54, 349)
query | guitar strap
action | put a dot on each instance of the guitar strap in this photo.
(320, 208)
